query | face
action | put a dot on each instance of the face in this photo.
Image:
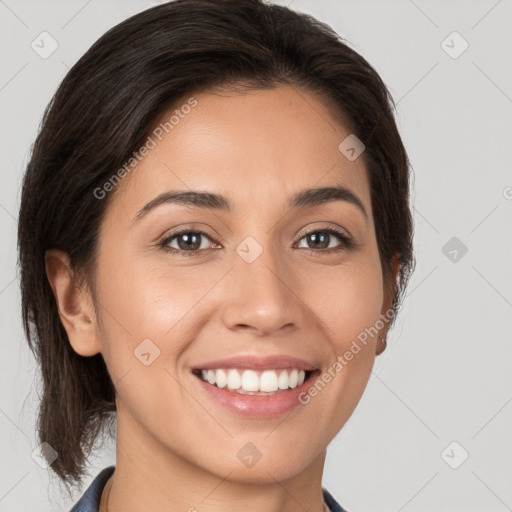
(265, 278)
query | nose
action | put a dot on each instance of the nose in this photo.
(262, 296)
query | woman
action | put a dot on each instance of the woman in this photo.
(214, 240)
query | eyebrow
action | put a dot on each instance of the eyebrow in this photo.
(304, 199)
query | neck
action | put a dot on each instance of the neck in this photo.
(148, 476)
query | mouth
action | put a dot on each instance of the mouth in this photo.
(254, 382)
(255, 386)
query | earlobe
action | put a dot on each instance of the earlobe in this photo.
(74, 303)
(386, 313)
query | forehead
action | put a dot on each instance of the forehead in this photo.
(257, 148)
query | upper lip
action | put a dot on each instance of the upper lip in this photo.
(249, 362)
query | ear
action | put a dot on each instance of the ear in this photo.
(388, 303)
(74, 303)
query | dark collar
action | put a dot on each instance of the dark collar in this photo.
(90, 500)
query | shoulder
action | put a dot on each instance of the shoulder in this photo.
(333, 505)
(90, 500)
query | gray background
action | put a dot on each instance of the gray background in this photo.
(446, 375)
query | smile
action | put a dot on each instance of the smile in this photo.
(242, 391)
(254, 382)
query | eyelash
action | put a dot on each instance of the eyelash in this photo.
(346, 242)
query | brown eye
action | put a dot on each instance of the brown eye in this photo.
(322, 239)
(189, 243)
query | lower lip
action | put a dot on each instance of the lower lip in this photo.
(254, 406)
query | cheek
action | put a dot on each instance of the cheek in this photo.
(140, 301)
(348, 298)
(145, 324)
(348, 303)
(145, 298)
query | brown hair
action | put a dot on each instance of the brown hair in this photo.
(103, 111)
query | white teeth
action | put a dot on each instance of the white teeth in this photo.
(268, 381)
(294, 377)
(221, 378)
(282, 381)
(234, 381)
(249, 382)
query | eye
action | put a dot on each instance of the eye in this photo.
(321, 239)
(189, 243)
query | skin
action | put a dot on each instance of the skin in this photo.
(175, 448)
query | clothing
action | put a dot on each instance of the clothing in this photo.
(90, 500)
